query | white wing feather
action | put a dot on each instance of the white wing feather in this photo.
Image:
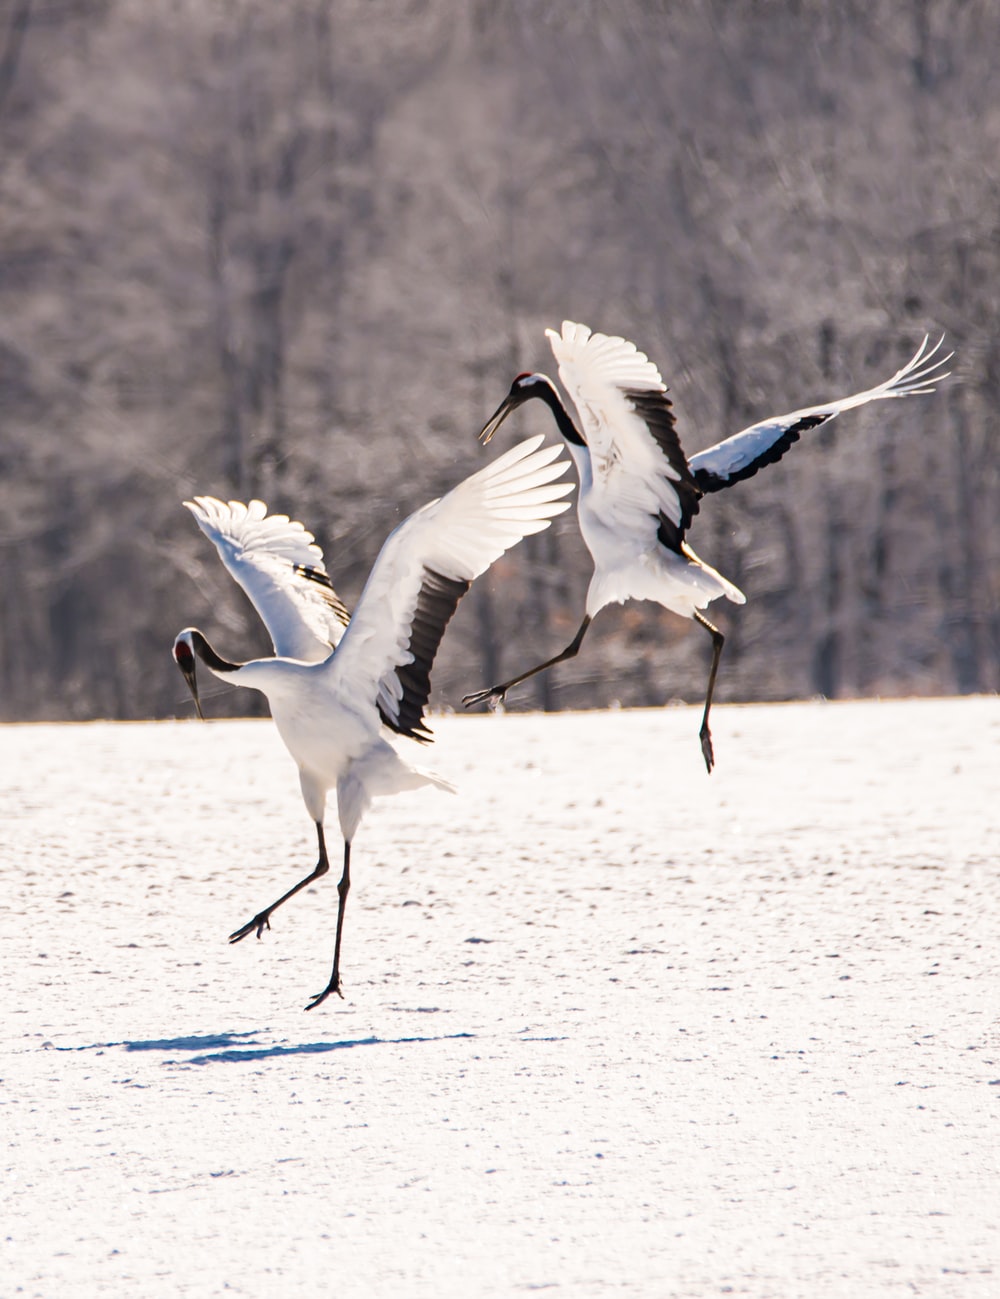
(270, 556)
(633, 481)
(433, 555)
(744, 453)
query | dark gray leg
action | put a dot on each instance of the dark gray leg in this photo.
(498, 692)
(261, 920)
(343, 888)
(718, 640)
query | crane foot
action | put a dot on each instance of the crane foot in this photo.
(260, 922)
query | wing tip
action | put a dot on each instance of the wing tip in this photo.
(922, 372)
(607, 359)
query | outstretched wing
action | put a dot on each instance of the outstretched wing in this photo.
(280, 567)
(426, 566)
(641, 483)
(762, 444)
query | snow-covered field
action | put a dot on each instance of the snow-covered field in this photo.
(612, 1026)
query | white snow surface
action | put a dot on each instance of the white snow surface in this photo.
(612, 1026)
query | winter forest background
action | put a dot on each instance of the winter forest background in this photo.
(299, 250)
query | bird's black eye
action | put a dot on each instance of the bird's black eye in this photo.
(183, 655)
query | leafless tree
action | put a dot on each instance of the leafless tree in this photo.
(299, 251)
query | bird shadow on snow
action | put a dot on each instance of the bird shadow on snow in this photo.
(235, 1047)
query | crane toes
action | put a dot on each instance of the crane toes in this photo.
(259, 922)
(333, 986)
(494, 695)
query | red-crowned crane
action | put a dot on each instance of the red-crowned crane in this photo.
(638, 491)
(336, 688)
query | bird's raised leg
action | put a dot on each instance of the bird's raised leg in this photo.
(262, 920)
(718, 640)
(343, 888)
(497, 692)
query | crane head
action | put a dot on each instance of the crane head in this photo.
(524, 387)
(184, 657)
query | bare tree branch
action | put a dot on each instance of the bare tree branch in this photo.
(17, 29)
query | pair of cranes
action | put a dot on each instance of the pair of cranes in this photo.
(339, 682)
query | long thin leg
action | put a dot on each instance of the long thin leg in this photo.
(261, 920)
(343, 888)
(718, 640)
(498, 692)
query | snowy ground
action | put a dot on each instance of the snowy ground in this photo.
(612, 1026)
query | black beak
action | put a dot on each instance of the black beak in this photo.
(186, 662)
(191, 678)
(509, 403)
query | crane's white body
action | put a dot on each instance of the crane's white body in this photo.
(634, 566)
(626, 482)
(330, 708)
(337, 742)
(270, 555)
(638, 491)
(630, 478)
(337, 692)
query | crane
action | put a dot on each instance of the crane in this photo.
(639, 492)
(338, 686)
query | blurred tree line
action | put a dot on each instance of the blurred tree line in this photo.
(299, 250)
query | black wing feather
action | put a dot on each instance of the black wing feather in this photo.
(657, 413)
(322, 580)
(437, 601)
(709, 482)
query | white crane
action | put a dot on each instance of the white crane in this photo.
(336, 687)
(638, 491)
